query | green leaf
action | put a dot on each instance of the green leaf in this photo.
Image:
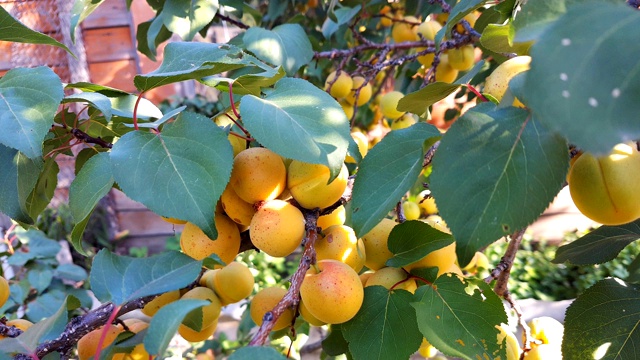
(413, 240)
(594, 111)
(257, 352)
(460, 317)
(600, 245)
(299, 121)
(343, 16)
(80, 10)
(121, 278)
(191, 61)
(71, 272)
(76, 235)
(286, 45)
(187, 17)
(13, 30)
(18, 177)
(90, 87)
(602, 323)
(124, 105)
(92, 183)
(494, 173)
(44, 189)
(150, 34)
(96, 100)
(385, 327)
(260, 75)
(29, 99)
(165, 323)
(172, 179)
(499, 38)
(458, 12)
(418, 102)
(335, 344)
(40, 277)
(387, 172)
(39, 245)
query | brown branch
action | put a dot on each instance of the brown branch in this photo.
(503, 270)
(400, 212)
(85, 138)
(235, 22)
(526, 331)
(428, 156)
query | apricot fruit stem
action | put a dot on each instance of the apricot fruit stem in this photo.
(105, 330)
(135, 111)
(481, 97)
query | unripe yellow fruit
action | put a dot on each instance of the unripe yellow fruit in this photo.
(196, 244)
(340, 87)
(444, 71)
(365, 276)
(4, 291)
(309, 185)
(88, 344)
(347, 108)
(436, 222)
(233, 283)
(411, 210)
(403, 122)
(308, 317)
(264, 301)
(196, 336)
(497, 83)
(363, 145)
(479, 261)
(174, 221)
(332, 292)
(606, 189)
(405, 30)
(386, 21)
(427, 350)
(340, 243)
(237, 209)
(389, 104)
(207, 277)
(211, 312)
(428, 29)
(427, 203)
(336, 217)
(442, 258)
(544, 352)
(365, 92)
(510, 341)
(462, 58)
(152, 307)
(375, 244)
(258, 175)
(390, 276)
(277, 228)
(547, 329)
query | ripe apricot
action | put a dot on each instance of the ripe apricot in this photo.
(308, 317)
(341, 87)
(332, 291)
(233, 283)
(196, 244)
(479, 261)
(405, 30)
(428, 30)
(606, 189)
(427, 350)
(88, 344)
(347, 108)
(336, 217)
(174, 221)
(211, 312)
(389, 104)
(365, 92)
(403, 122)
(264, 301)
(390, 276)
(365, 276)
(152, 307)
(442, 258)
(510, 341)
(363, 145)
(386, 21)
(436, 222)
(309, 185)
(237, 209)
(462, 58)
(444, 71)
(340, 243)
(497, 82)
(375, 244)
(547, 330)
(258, 175)
(196, 336)
(277, 228)
(427, 203)
(4, 291)
(138, 352)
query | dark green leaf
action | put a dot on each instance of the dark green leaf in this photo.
(80, 10)
(602, 323)
(43, 192)
(30, 101)
(165, 323)
(257, 352)
(600, 245)
(187, 17)
(13, 30)
(121, 278)
(460, 317)
(494, 173)
(90, 87)
(45, 305)
(18, 178)
(458, 12)
(150, 34)
(172, 179)
(387, 172)
(418, 102)
(499, 38)
(71, 272)
(97, 100)
(342, 16)
(413, 240)
(92, 183)
(385, 327)
(594, 111)
(335, 344)
(76, 235)
(299, 121)
(286, 45)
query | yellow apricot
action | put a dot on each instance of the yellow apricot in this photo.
(444, 71)
(442, 258)
(375, 244)
(340, 87)
(309, 185)
(173, 220)
(547, 330)
(389, 104)
(340, 243)
(390, 276)
(347, 108)
(405, 30)
(428, 30)
(264, 301)
(427, 203)
(479, 261)
(365, 276)
(436, 222)
(403, 122)
(208, 276)
(427, 350)
(411, 210)
(211, 312)
(497, 82)
(4, 291)
(544, 352)
(463, 58)
(308, 317)
(237, 209)
(363, 145)
(196, 244)
(386, 20)
(332, 292)
(138, 352)
(277, 228)
(606, 189)
(88, 344)
(233, 283)
(336, 217)
(510, 341)
(152, 307)
(258, 175)
(196, 336)
(365, 92)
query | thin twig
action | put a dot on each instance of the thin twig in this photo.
(506, 263)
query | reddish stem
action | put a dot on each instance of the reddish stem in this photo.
(478, 94)
(233, 104)
(411, 276)
(135, 111)
(105, 329)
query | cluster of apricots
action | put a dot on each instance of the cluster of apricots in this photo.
(21, 324)
(349, 91)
